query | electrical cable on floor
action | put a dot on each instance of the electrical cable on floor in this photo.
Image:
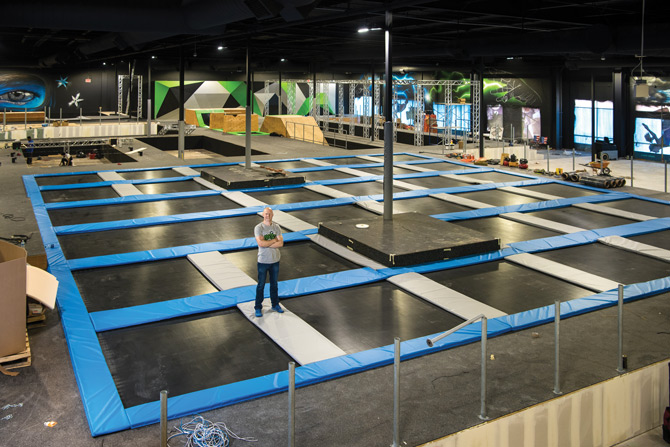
(13, 218)
(203, 433)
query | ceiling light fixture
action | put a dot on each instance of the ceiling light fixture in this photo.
(220, 47)
(363, 29)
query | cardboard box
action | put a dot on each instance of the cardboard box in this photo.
(12, 299)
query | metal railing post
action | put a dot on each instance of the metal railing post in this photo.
(396, 391)
(482, 414)
(548, 159)
(557, 333)
(621, 368)
(666, 176)
(431, 342)
(164, 413)
(573, 159)
(291, 404)
(631, 170)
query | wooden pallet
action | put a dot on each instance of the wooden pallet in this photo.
(19, 360)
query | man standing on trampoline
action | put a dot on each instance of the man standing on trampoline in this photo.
(269, 238)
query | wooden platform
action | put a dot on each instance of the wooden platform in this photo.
(226, 119)
(20, 117)
(19, 360)
(302, 128)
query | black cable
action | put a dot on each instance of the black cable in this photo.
(12, 217)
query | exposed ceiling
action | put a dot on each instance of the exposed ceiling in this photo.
(322, 35)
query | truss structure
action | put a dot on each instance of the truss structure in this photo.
(119, 90)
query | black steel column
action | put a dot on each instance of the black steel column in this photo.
(388, 123)
(558, 110)
(247, 139)
(180, 138)
(620, 87)
(593, 117)
(149, 90)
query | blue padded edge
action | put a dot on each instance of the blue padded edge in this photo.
(175, 252)
(155, 220)
(131, 199)
(208, 399)
(132, 316)
(102, 404)
(144, 181)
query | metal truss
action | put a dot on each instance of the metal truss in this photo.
(119, 92)
(375, 107)
(266, 108)
(365, 119)
(340, 108)
(475, 95)
(290, 96)
(395, 115)
(418, 114)
(312, 100)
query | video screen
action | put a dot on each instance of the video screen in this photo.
(652, 137)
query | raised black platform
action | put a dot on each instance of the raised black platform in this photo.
(239, 177)
(407, 239)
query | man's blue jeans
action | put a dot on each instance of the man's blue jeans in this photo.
(263, 270)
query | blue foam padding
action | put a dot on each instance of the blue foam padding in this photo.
(155, 220)
(131, 199)
(145, 181)
(175, 252)
(102, 404)
(131, 316)
(353, 363)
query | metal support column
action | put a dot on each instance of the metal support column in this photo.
(365, 114)
(388, 122)
(180, 138)
(419, 114)
(340, 108)
(247, 139)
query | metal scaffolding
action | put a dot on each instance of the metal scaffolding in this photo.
(340, 108)
(119, 90)
(419, 114)
(290, 96)
(475, 94)
(375, 110)
(312, 102)
(365, 118)
(266, 109)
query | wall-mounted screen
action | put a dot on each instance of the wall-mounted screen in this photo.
(652, 138)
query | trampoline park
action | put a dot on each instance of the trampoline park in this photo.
(157, 273)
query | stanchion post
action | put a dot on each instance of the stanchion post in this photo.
(547, 159)
(573, 159)
(557, 333)
(482, 414)
(631, 170)
(621, 368)
(666, 176)
(164, 413)
(291, 404)
(25, 118)
(396, 391)
(81, 113)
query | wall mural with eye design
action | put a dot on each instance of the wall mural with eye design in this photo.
(20, 91)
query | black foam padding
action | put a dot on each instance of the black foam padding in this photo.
(290, 195)
(581, 218)
(68, 179)
(363, 188)
(328, 213)
(560, 190)
(240, 177)
(154, 173)
(639, 206)
(508, 287)
(407, 239)
(507, 230)
(427, 205)
(74, 195)
(157, 236)
(496, 197)
(380, 170)
(497, 177)
(104, 213)
(612, 263)
(326, 174)
(188, 354)
(143, 283)
(660, 239)
(434, 182)
(168, 187)
(370, 316)
(298, 260)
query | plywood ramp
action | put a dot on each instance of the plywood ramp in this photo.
(232, 121)
(302, 128)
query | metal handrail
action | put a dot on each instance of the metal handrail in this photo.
(431, 342)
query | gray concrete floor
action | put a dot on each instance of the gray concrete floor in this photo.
(439, 393)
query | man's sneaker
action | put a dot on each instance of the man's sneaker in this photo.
(278, 309)
(259, 313)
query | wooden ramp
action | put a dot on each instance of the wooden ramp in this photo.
(302, 128)
(226, 119)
